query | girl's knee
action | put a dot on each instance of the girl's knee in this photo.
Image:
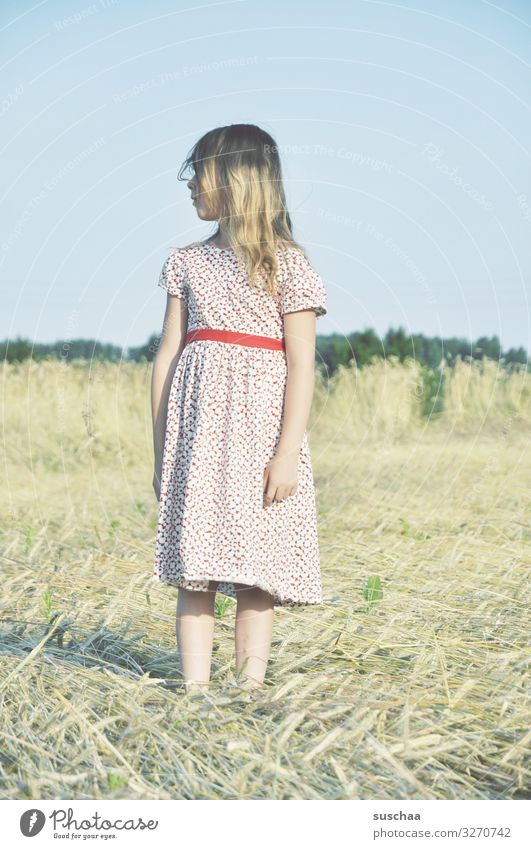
(253, 595)
(195, 601)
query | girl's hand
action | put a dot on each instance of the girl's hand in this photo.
(280, 478)
(156, 484)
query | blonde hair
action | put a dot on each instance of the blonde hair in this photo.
(238, 173)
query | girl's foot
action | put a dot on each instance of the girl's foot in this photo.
(249, 683)
(196, 687)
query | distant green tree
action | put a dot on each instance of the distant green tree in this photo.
(398, 343)
(515, 355)
(145, 352)
(366, 345)
(485, 347)
(16, 350)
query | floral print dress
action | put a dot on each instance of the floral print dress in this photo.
(224, 420)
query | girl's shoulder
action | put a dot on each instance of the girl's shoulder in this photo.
(186, 255)
(293, 257)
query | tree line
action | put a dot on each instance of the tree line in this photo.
(333, 350)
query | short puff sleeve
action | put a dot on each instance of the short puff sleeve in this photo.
(302, 288)
(172, 276)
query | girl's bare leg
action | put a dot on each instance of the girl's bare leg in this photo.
(253, 632)
(194, 630)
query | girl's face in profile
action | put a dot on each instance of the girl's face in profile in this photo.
(200, 201)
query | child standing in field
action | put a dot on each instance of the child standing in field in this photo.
(232, 388)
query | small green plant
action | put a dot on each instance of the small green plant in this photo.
(221, 605)
(140, 507)
(372, 590)
(405, 527)
(115, 781)
(431, 392)
(406, 530)
(115, 524)
(28, 539)
(47, 604)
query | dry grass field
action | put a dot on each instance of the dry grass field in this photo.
(417, 694)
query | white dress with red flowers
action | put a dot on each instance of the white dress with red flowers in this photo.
(225, 413)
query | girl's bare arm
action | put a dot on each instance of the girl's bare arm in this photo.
(299, 332)
(170, 349)
(280, 475)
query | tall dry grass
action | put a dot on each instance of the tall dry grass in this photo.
(421, 693)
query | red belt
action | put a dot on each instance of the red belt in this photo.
(249, 339)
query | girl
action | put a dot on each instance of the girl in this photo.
(232, 388)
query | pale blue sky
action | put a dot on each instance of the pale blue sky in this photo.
(404, 134)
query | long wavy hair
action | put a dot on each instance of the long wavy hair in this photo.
(239, 176)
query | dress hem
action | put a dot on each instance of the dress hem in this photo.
(279, 601)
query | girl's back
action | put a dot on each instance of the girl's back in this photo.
(216, 289)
